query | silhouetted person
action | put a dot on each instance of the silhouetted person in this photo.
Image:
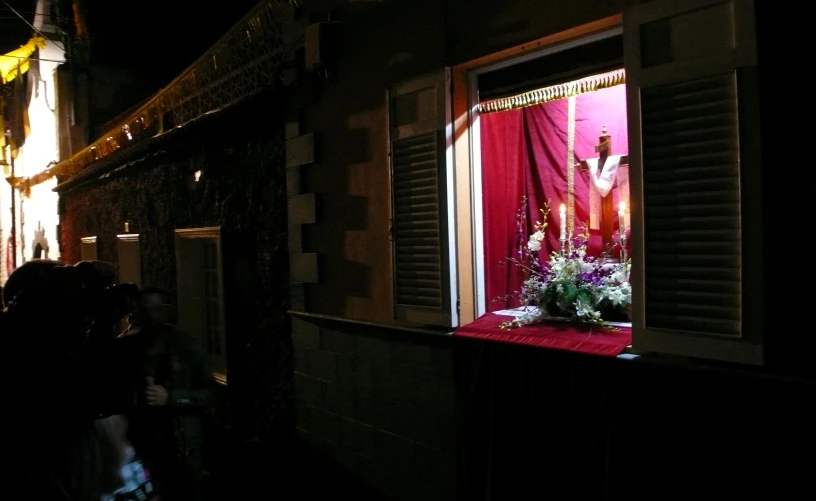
(57, 451)
(28, 275)
(171, 379)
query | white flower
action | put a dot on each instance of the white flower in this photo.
(534, 244)
(582, 309)
(616, 295)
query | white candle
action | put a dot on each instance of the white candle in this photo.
(562, 212)
(622, 218)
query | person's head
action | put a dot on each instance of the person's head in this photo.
(29, 275)
(152, 307)
(51, 303)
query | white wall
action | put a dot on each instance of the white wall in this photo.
(37, 216)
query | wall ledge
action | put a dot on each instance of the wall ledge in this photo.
(762, 373)
(403, 328)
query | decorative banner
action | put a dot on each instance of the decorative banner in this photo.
(16, 62)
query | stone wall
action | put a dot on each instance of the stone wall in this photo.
(380, 403)
(241, 189)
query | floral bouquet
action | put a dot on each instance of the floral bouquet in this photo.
(572, 286)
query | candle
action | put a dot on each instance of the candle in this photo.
(622, 219)
(562, 212)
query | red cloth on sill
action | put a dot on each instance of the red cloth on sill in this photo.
(580, 338)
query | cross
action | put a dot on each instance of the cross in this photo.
(607, 216)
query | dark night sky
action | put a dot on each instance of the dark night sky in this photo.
(166, 35)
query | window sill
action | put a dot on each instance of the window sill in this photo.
(395, 326)
(657, 360)
(587, 339)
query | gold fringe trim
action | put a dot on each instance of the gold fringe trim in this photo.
(554, 92)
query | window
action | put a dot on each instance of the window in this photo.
(564, 145)
(690, 99)
(129, 263)
(129, 258)
(87, 249)
(200, 292)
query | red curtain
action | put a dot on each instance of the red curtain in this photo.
(524, 153)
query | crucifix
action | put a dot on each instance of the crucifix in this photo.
(603, 173)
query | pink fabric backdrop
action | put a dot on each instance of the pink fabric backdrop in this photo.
(524, 152)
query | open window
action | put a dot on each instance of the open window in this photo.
(551, 133)
(201, 292)
(421, 194)
(87, 248)
(669, 93)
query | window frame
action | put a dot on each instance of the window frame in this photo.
(187, 236)
(468, 227)
(88, 241)
(749, 347)
(129, 238)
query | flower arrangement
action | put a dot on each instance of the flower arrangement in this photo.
(571, 286)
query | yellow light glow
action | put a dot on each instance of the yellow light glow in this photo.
(562, 209)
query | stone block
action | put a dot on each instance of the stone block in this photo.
(304, 268)
(375, 349)
(297, 296)
(293, 181)
(295, 235)
(302, 209)
(300, 150)
(308, 390)
(338, 399)
(357, 436)
(305, 333)
(302, 359)
(325, 425)
(324, 366)
(338, 341)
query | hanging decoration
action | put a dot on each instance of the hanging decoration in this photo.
(242, 63)
(554, 92)
(17, 62)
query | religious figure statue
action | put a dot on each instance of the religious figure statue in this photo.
(604, 172)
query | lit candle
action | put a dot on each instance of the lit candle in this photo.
(562, 212)
(622, 218)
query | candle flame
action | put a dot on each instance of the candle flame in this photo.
(623, 207)
(562, 209)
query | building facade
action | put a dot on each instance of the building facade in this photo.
(384, 389)
(29, 216)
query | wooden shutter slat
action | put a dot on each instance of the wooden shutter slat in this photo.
(417, 236)
(691, 205)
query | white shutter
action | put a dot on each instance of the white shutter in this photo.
(87, 249)
(694, 163)
(130, 258)
(422, 200)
